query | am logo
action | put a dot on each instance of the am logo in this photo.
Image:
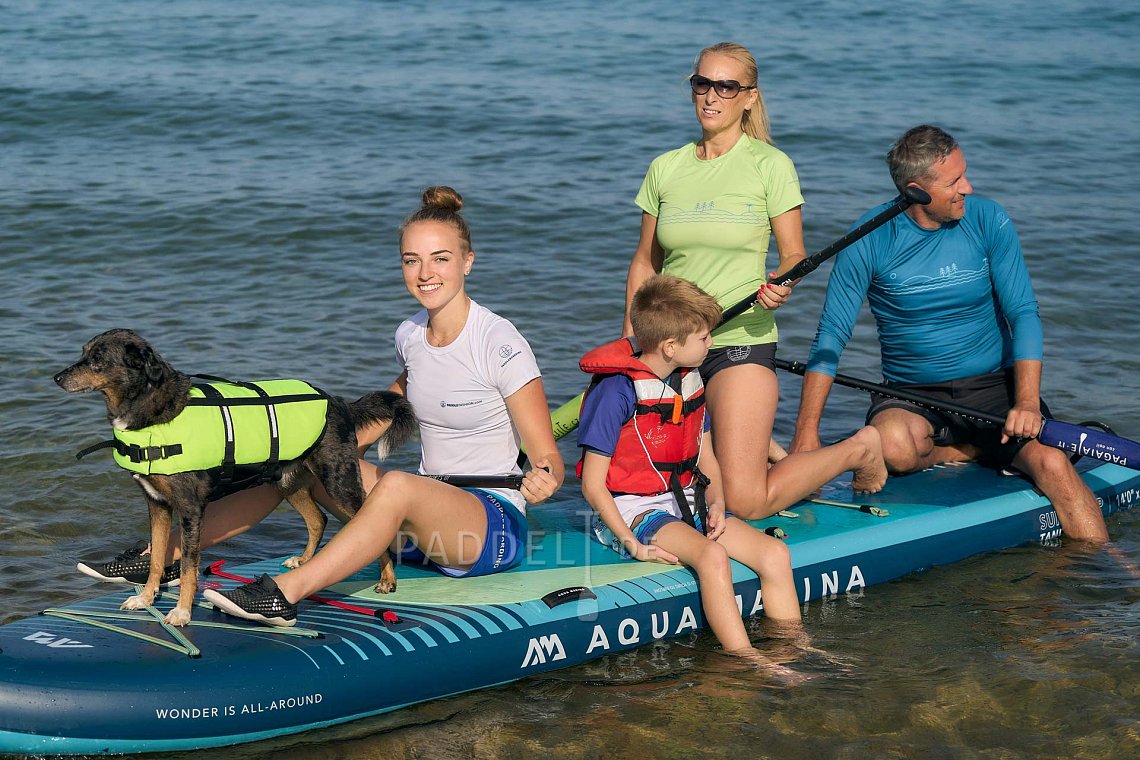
(58, 642)
(543, 648)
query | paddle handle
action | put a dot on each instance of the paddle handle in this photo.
(910, 196)
(1090, 442)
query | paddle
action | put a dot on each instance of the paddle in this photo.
(909, 196)
(1073, 439)
(480, 481)
(565, 418)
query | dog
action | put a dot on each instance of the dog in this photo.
(142, 390)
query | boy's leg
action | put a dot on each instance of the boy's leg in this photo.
(770, 559)
(710, 561)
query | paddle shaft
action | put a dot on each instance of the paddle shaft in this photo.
(799, 368)
(908, 198)
(565, 417)
(1070, 438)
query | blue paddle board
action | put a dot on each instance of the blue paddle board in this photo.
(89, 678)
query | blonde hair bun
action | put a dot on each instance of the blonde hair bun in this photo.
(442, 197)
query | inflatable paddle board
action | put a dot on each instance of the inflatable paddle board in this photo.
(89, 678)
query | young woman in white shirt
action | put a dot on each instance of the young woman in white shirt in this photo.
(476, 389)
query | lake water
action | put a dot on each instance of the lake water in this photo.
(226, 178)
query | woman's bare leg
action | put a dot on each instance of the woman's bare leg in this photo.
(742, 402)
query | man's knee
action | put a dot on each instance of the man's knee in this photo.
(1048, 465)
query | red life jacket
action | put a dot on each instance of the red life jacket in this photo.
(663, 438)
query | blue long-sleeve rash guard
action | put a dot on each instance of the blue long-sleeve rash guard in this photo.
(949, 303)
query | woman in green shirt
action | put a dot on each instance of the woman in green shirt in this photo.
(709, 209)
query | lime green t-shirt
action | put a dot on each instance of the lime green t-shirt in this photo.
(713, 222)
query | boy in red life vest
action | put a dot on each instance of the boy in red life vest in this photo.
(648, 468)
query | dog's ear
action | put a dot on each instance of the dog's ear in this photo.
(153, 366)
(145, 359)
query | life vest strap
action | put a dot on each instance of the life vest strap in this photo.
(700, 484)
(270, 470)
(226, 473)
(669, 410)
(678, 468)
(134, 452)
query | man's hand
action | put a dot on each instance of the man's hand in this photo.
(804, 440)
(1022, 422)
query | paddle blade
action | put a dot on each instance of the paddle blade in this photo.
(1090, 442)
(564, 419)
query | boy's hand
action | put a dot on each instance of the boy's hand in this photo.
(716, 520)
(648, 553)
(539, 484)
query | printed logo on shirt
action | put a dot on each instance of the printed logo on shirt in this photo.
(461, 403)
(507, 353)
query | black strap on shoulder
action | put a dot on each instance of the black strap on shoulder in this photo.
(226, 475)
(133, 451)
(261, 399)
(271, 469)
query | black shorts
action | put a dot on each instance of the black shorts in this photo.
(992, 392)
(763, 354)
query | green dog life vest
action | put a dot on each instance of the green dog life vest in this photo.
(241, 433)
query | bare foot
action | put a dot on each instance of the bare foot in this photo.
(776, 452)
(782, 673)
(871, 472)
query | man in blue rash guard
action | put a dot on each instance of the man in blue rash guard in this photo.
(957, 320)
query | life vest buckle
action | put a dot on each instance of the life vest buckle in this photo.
(138, 453)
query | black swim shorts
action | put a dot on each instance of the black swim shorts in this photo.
(763, 354)
(992, 392)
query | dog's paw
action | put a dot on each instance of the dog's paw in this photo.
(385, 586)
(294, 562)
(178, 617)
(137, 602)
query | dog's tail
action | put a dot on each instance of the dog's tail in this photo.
(385, 406)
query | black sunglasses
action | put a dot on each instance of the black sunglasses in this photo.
(726, 88)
